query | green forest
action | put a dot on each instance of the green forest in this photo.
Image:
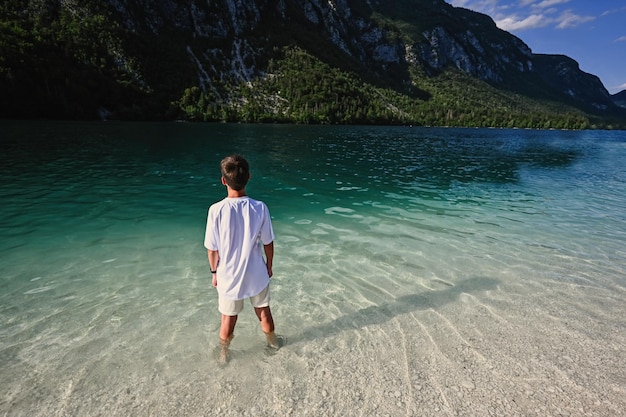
(299, 88)
(79, 62)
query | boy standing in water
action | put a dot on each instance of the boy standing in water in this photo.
(238, 232)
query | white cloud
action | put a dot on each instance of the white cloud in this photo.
(612, 11)
(569, 20)
(458, 3)
(489, 7)
(513, 23)
(549, 3)
(621, 39)
(530, 14)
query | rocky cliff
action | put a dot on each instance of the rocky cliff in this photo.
(163, 47)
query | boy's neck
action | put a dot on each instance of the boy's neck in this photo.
(236, 193)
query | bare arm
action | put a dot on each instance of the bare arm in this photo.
(269, 257)
(214, 257)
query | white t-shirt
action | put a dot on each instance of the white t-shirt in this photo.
(237, 228)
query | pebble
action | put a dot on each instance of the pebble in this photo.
(469, 385)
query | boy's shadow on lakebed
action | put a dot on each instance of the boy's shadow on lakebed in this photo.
(381, 313)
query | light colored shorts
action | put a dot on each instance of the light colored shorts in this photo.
(234, 307)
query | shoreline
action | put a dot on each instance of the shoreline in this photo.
(468, 350)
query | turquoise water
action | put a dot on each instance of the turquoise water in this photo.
(416, 270)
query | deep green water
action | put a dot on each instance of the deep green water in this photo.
(101, 230)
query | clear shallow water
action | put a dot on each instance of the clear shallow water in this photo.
(416, 270)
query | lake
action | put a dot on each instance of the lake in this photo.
(418, 271)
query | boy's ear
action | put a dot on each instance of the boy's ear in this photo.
(223, 181)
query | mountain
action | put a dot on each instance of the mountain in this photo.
(306, 61)
(620, 98)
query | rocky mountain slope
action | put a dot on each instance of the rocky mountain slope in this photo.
(620, 98)
(337, 61)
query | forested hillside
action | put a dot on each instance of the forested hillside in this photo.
(368, 62)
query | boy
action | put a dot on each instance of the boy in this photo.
(237, 227)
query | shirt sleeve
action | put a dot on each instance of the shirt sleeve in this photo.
(267, 232)
(211, 235)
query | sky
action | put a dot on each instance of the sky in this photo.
(592, 32)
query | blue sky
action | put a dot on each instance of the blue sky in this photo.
(592, 32)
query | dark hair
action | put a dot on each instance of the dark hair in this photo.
(236, 171)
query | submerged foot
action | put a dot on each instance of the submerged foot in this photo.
(223, 358)
(224, 353)
(273, 341)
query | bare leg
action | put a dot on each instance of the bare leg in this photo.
(267, 325)
(228, 327)
(227, 332)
